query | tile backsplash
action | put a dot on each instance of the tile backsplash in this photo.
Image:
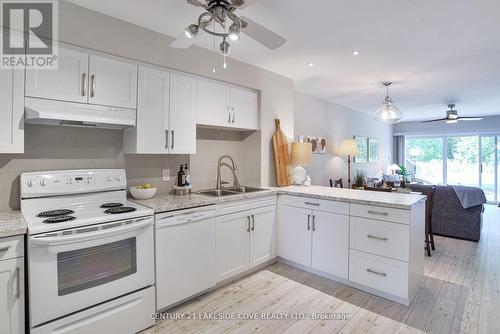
(54, 148)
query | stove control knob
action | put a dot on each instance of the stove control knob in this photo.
(43, 182)
(118, 177)
(110, 178)
(31, 183)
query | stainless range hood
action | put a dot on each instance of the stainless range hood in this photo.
(52, 112)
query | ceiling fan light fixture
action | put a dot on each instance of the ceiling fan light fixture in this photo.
(224, 47)
(234, 32)
(192, 31)
(388, 113)
(451, 121)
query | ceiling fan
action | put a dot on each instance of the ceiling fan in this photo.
(219, 20)
(452, 117)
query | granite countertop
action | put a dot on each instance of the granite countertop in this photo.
(167, 202)
(385, 199)
(12, 223)
(163, 203)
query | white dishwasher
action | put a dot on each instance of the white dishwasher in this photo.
(185, 254)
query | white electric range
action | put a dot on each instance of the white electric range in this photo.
(90, 253)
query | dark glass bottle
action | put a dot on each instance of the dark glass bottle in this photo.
(181, 177)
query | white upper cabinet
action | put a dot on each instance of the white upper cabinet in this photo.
(213, 103)
(182, 114)
(152, 132)
(166, 114)
(244, 108)
(227, 106)
(11, 111)
(112, 82)
(69, 82)
(85, 78)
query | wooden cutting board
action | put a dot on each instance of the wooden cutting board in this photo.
(281, 157)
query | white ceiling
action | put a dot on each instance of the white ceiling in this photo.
(435, 52)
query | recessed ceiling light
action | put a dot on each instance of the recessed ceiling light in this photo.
(310, 64)
(355, 52)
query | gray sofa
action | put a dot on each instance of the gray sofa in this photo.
(456, 211)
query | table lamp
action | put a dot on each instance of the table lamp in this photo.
(348, 147)
(300, 156)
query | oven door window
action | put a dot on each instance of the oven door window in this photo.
(82, 269)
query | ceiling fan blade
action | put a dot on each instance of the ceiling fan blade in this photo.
(262, 35)
(182, 42)
(435, 120)
(245, 4)
(469, 118)
(195, 3)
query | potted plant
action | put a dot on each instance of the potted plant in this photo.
(359, 180)
(405, 173)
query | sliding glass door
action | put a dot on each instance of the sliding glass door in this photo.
(462, 160)
(470, 160)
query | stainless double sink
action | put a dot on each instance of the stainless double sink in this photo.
(229, 191)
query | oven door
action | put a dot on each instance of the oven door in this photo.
(74, 269)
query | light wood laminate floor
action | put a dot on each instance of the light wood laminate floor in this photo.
(460, 294)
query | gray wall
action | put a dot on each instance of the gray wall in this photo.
(320, 118)
(49, 148)
(489, 124)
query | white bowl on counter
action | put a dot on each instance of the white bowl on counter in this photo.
(142, 193)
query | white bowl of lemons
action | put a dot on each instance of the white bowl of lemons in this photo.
(143, 191)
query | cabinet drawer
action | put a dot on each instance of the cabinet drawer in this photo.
(316, 204)
(381, 238)
(377, 272)
(381, 213)
(11, 247)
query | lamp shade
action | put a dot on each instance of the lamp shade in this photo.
(389, 114)
(348, 147)
(301, 154)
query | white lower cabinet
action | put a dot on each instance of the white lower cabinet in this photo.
(330, 243)
(315, 239)
(232, 244)
(244, 240)
(295, 234)
(12, 286)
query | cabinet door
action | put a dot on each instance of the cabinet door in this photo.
(262, 235)
(232, 235)
(69, 82)
(244, 108)
(213, 103)
(112, 83)
(330, 243)
(12, 296)
(295, 234)
(182, 114)
(151, 134)
(11, 111)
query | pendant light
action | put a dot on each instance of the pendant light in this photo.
(388, 113)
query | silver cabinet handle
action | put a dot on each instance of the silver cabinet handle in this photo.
(234, 114)
(314, 223)
(376, 272)
(378, 213)
(308, 225)
(18, 283)
(166, 138)
(311, 203)
(173, 139)
(377, 238)
(4, 249)
(248, 223)
(84, 81)
(253, 223)
(228, 115)
(92, 84)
